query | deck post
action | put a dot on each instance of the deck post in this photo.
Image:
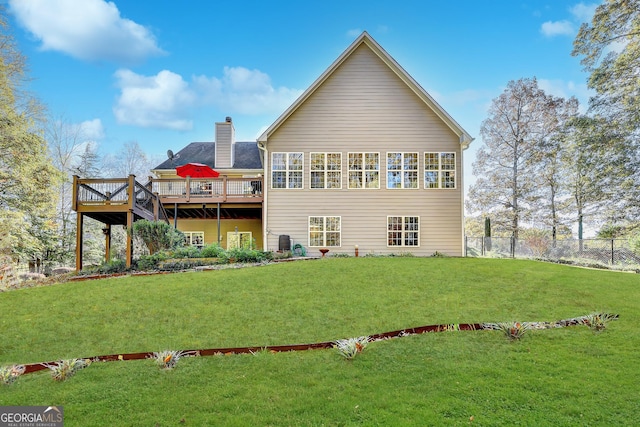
(107, 242)
(131, 191)
(74, 201)
(156, 207)
(129, 238)
(79, 235)
(218, 218)
(175, 215)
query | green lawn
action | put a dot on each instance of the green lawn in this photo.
(567, 376)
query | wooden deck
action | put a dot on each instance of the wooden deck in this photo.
(122, 201)
(110, 199)
(208, 190)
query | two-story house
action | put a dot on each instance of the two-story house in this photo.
(364, 158)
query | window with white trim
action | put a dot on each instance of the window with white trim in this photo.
(403, 231)
(286, 170)
(326, 170)
(194, 238)
(239, 239)
(439, 170)
(364, 170)
(402, 170)
(324, 231)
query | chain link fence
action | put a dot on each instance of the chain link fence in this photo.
(609, 253)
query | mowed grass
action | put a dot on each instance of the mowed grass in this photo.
(567, 376)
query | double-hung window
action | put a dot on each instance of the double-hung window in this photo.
(324, 231)
(194, 238)
(403, 231)
(439, 170)
(402, 170)
(286, 170)
(326, 170)
(364, 170)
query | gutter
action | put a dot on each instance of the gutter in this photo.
(262, 146)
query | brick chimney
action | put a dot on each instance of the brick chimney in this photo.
(225, 143)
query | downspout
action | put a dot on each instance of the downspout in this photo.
(461, 179)
(263, 147)
(464, 144)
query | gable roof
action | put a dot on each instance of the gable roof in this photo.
(247, 156)
(367, 40)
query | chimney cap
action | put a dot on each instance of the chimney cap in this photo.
(228, 119)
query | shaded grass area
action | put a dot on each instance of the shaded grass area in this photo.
(567, 376)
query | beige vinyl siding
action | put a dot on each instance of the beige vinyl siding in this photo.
(364, 107)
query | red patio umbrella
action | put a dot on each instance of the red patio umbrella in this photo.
(196, 170)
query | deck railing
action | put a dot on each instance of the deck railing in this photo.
(113, 193)
(221, 189)
(127, 193)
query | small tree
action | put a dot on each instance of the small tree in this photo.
(158, 235)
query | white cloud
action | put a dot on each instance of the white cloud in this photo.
(354, 32)
(159, 101)
(462, 97)
(85, 29)
(165, 100)
(92, 129)
(557, 28)
(566, 89)
(244, 91)
(583, 12)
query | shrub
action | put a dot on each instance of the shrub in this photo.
(186, 252)
(247, 255)
(282, 255)
(158, 235)
(340, 255)
(181, 264)
(151, 262)
(402, 255)
(111, 267)
(212, 251)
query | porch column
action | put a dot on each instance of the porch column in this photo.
(79, 235)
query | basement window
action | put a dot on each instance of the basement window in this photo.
(194, 238)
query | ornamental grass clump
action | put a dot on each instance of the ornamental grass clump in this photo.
(350, 347)
(513, 330)
(168, 359)
(598, 321)
(8, 374)
(65, 369)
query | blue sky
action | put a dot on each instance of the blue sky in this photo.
(162, 72)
